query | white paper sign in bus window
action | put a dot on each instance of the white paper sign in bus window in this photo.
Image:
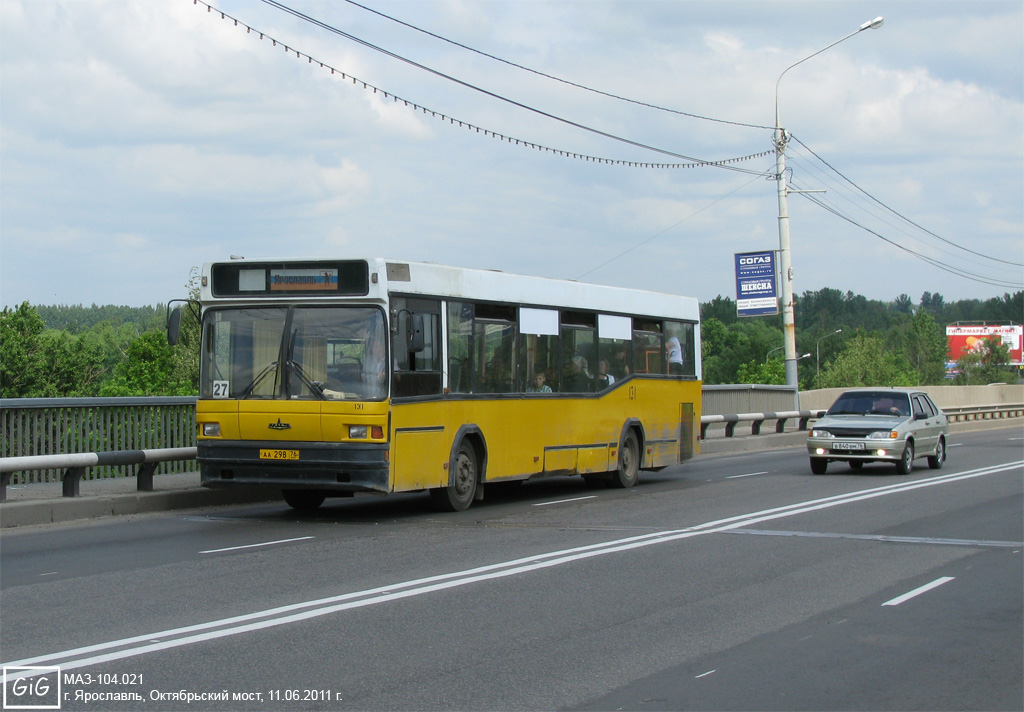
(541, 322)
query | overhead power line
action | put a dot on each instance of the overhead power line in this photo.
(554, 78)
(899, 215)
(952, 269)
(725, 164)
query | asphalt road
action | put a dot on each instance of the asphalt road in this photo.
(736, 582)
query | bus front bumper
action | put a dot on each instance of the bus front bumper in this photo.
(330, 467)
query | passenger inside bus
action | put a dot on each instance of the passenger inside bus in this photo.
(578, 379)
(537, 383)
(603, 379)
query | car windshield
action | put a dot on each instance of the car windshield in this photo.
(314, 353)
(871, 403)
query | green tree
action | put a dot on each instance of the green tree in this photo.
(726, 348)
(721, 308)
(39, 363)
(771, 372)
(866, 361)
(903, 304)
(21, 360)
(987, 362)
(922, 342)
(72, 366)
(148, 370)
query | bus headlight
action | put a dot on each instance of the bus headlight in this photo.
(357, 432)
(211, 430)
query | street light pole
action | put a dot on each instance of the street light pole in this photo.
(781, 139)
(817, 351)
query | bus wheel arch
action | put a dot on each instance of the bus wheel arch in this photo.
(466, 467)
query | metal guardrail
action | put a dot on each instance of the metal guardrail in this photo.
(756, 420)
(984, 412)
(76, 465)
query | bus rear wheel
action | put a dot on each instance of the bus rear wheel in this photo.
(628, 472)
(461, 489)
(304, 500)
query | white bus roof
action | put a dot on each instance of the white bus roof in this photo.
(428, 278)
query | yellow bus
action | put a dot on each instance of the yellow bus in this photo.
(329, 377)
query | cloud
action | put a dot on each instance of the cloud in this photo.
(156, 136)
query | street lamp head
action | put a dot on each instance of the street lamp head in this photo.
(874, 24)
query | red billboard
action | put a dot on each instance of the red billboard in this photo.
(964, 338)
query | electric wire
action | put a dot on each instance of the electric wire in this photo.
(932, 261)
(670, 227)
(486, 92)
(897, 214)
(695, 162)
(554, 78)
(856, 201)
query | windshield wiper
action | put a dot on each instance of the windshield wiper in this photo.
(256, 381)
(312, 385)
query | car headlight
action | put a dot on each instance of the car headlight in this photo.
(884, 435)
(820, 433)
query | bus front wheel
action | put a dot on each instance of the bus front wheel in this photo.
(461, 489)
(628, 472)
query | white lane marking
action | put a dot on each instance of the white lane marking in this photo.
(918, 591)
(705, 674)
(563, 501)
(50, 573)
(70, 659)
(750, 474)
(253, 546)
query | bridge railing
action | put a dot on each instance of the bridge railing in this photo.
(106, 437)
(45, 426)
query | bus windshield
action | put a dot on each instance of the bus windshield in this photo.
(294, 352)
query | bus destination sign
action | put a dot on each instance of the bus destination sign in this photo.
(279, 279)
(298, 280)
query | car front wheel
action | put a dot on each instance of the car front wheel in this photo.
(906, 461)
(819, 465)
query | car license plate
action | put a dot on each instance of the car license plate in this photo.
(279, 454)
(847, 446)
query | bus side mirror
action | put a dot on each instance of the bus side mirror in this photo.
(415, 333)
(173, 326)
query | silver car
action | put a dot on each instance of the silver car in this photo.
(879, 425)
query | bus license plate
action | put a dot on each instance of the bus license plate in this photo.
(847, 446)
(279, 454)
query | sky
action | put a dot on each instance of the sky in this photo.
(139, 140)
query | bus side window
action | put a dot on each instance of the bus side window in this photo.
(648, 347)
(578, 359)
(460, 341)
(416, 373)
(679, 348)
